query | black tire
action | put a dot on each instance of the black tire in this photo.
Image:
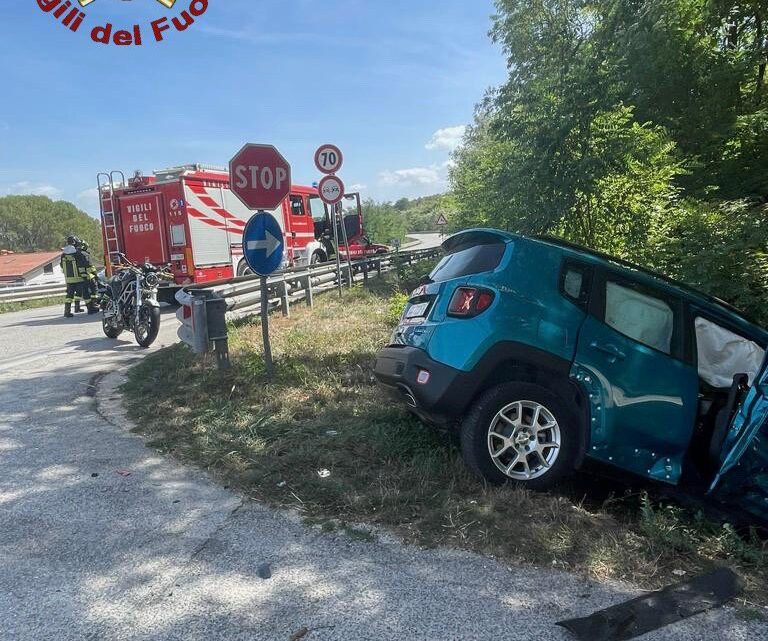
(317, 258)
(109, 330)
(477, 423)
(151, 317)
(243, 269)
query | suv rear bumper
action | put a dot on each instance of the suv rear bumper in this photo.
(440, 401)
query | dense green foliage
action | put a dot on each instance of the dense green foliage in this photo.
(638, 127)
(385, 222)
(37, 223)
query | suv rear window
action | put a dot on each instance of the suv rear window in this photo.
(475, 259)
(642, 317)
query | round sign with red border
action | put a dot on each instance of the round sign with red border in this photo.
(331, 190)
(329, 159)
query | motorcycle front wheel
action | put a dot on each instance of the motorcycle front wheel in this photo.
(111, 330)
(148, 325)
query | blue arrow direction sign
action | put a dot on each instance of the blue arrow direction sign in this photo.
(263, 244)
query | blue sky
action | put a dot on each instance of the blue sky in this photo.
(391, 83)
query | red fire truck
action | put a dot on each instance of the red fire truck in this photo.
(189, 218)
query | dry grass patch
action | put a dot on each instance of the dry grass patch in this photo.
(323, 439)
(32, 304)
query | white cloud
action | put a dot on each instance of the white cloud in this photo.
(433, 178)
(26, 188)
(357, 187)
(413, 176)
(88, 200)
(447, 138)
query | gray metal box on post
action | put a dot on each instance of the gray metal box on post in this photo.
(216, 323)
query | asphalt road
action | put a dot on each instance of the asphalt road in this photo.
(425, 240)
(103, 539)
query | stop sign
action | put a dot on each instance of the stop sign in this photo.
(259, 176)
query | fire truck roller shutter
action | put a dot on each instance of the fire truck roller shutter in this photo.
(235, 207)
(207, 229)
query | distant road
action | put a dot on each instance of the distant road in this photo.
(425, 240)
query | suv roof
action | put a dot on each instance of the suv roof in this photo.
(591, 255)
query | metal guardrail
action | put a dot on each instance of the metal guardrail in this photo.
(28, 293)
(205, 308)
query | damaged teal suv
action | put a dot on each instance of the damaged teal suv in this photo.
(542, 353)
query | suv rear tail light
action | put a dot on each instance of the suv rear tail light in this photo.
(468, 302)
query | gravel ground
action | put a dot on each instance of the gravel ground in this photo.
(101, 538)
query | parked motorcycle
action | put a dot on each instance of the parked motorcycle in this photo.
(129, 301)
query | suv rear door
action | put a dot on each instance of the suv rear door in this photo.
(643, 394)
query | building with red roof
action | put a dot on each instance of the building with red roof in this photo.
(39, 268)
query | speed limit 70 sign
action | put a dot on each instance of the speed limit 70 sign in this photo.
(328, 159)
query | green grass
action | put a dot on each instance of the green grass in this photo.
(32, 304)
(276, 439)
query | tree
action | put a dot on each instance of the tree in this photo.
(383, 223)
(37, 223)
(693, 68)
(696, 68)
(486, 179)
(719, 247)
(639, 127)
(422, 214)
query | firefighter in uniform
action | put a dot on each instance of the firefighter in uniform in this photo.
(89, 276)
(71, 262)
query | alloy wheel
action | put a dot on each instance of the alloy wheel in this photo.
(524, 440)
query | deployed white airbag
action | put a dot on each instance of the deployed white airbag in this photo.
(722, 354)
(642, 318)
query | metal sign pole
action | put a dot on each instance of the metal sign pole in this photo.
(260, 177)
(397, 264)
(328, 160)
(335, 224)
(342, 222)
(270, 365)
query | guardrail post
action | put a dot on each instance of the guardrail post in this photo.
(199, 323)
(285, 301)
(365, 274)
(310, 296)
(378, 267)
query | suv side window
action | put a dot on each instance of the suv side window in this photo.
(722, 353)
(575, 282)
(640, 315)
